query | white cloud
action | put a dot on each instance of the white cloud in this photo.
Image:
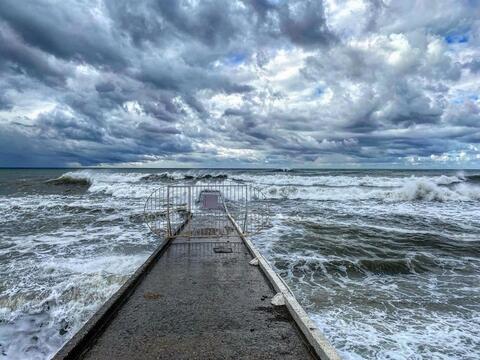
(288, 82)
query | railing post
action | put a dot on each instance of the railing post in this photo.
(190, 213)
(246, 210)
(169, 226)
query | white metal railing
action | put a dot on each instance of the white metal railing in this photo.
(203, 210)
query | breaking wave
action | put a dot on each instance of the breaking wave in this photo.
(70, 179)
(116, 184)
(430, 191)
(206, 177)
(158, 177)
(289, 186)
(411, 190)
(135, 185)
(395, 252)
(473, 178)
(342, 181)
(172, 177)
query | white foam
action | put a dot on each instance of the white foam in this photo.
(382, 336)
(421, 189)
(73, 269)
(67, 256)
(57, 292)
(93, 176)
(398, 316)
(344, 180)
(295, 186)
(411, 189)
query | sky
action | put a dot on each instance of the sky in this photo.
(250, 83)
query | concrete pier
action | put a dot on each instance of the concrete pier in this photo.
(195, 298)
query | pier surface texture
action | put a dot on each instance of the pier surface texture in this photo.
(199, 299)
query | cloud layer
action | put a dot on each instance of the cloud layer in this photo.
(240, 83)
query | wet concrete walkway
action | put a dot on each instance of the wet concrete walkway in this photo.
(201, 300)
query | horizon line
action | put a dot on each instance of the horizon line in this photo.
(286, 169)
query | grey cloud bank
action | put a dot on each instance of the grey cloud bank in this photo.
(357, 83)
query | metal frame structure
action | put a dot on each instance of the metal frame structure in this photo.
(206, 210)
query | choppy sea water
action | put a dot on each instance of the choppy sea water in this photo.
(387, 263)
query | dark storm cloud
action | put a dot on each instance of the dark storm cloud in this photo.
(17, 57)
(5, 103)
(302, 22)
(58, 125)
(66, 30)
(306, 24)
(211, 23)
(105, 87)
(209, 82)
(185, 79)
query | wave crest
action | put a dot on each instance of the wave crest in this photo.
(70, 179)
(288, 186)
(157, 177)
(410, 190)
(431, 191)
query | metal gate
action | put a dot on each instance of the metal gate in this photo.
(209, 210)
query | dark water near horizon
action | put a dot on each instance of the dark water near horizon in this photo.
(386, 262)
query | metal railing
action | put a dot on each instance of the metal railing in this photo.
(206, 210)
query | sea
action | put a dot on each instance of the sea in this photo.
(385, 262)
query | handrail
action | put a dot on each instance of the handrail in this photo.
(167, 206)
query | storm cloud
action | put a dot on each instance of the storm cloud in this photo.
(240, 83)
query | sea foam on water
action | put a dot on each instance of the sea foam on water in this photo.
(387, 263)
